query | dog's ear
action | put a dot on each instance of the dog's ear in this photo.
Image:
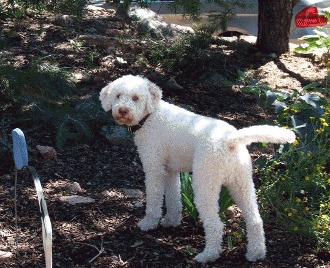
(105, 97)
(155, 94)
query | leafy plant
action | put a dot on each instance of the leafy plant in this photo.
(296, 182)
(38, 83)
(173, 55)
(20, 8)
(69, 7)
(187, 193)
(91, 60)
(44, 96)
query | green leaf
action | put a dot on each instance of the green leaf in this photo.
(225, 199)
(261, 162)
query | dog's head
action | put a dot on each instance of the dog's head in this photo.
(130, 98)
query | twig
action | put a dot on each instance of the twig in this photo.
(101, 250)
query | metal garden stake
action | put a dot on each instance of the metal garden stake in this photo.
(21, 161)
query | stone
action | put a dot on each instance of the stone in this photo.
(47, 152)
(213, 80)
(75, 187)
(63, 20)
(76, 199)
(134, 193)
(121, 62)
(117, 135)
(150, 22)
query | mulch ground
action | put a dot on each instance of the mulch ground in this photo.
(104, 233)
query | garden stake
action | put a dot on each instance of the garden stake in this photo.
(21, 161)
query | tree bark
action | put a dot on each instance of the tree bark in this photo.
(274, 23)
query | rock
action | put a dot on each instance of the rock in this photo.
(149, 22)
(82, 77)
(213, 80)
(112, 194)
(98, 40)
(76, 199)
(117, 135)
(63, 20)
(75, 188)
(47, 152)
(121, 62)
(94, 8)
(107, 61)
(134, 193)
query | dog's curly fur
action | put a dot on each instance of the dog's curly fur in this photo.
(172, 140)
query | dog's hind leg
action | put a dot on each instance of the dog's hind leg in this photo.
(173, 201)
(243, 192)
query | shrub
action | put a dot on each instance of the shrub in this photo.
(69, 7)
(20, 8)
(296, 182)
(44, 96)
(174, 55)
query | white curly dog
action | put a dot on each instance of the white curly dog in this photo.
(170, 140)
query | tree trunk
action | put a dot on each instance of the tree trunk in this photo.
(274, 23)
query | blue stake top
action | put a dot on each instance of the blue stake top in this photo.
(19, 149)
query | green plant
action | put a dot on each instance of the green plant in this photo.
(91, 59)
(38, 83)
(296, 182)
(69, 7)
(187, 194)
(44, 96)
(20, 8)
(175, 54)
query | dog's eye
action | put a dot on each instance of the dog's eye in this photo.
(118, 96)
(135, 98)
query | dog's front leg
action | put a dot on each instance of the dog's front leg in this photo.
(155, 187)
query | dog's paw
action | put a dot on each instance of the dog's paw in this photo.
(148, 223)
(254, 255)
(168, 221)
(207, 256)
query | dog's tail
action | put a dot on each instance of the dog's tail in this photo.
(263, 133)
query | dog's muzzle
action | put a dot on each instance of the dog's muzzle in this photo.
(123, 116)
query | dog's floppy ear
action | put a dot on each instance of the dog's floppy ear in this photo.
(156, 95)
(105, 97)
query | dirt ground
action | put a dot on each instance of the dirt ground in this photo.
(104, 233)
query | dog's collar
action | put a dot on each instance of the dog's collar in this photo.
(139, 125)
